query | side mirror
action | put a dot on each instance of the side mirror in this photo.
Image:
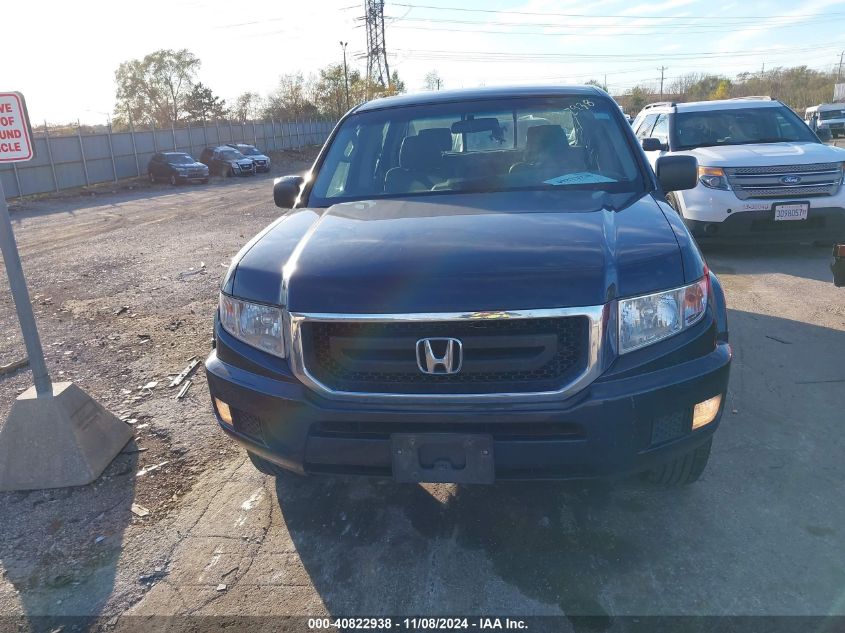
(286, 190)
(824, 134)
(837, 266)
(677, 173)
(654, 145)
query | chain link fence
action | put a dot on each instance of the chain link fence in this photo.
(81, 159)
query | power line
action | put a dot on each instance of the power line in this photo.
(499, 56)
(709, 27)
(626, 16)
(576, 33)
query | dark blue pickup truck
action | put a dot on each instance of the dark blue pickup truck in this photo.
(471, 286)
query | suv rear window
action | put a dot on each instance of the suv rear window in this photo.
(739, 126)
(480, 146)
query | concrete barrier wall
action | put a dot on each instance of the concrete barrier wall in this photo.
(64, 162)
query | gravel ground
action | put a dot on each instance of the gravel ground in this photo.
(761, 533)
(124, 286)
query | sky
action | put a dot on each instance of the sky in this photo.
(62, 54)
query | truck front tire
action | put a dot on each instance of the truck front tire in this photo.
(672, 201)
(682, 470)
(265, 467)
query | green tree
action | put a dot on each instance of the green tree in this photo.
(397, 86)
(330, 90)
(722, 91)
(637, 98)
(201, 104)
(154, 89)
(703, 88)
(597, 84)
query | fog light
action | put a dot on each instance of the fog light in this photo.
(225, 412)
(705, 412)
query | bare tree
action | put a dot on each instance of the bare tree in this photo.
(290, 98)
(432, 81)
(246, 106)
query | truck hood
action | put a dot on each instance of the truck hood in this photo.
(462, 253)
(766, 154)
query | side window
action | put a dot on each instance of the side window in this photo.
(337, 185)
(661, 128)
(644, 131)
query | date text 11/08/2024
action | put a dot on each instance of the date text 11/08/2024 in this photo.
(416, 624)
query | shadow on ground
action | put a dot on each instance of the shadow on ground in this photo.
(796, 260)
(597, 550)
(60, 548)
(549, 540)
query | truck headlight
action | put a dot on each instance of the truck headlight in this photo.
(713, 178)
(255, 324)
(651, 318)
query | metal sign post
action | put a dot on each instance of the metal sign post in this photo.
(20, 294)
(56, 434)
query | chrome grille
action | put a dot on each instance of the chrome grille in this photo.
(362, 348)
(520, 355)
(816, 179)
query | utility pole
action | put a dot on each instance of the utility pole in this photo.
(345, 73)
(662, 69)
(839, 74)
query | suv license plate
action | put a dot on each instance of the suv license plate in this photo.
(785, 212)
(442, 458)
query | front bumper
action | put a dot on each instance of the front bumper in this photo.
(822, 223)
(622, 423)
(192, 177)
(714, 215)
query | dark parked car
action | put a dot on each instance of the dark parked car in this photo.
(176, 167)
(226, 161)
(450, 301)
(261, 160)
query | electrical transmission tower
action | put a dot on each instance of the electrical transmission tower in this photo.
(377, 70)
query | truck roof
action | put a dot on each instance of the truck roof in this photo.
(718, 104)
(473, 94)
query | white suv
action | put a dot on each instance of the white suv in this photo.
(762, 172)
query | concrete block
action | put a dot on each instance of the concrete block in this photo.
(55, 442)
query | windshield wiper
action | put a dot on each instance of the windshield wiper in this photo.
(768, 140)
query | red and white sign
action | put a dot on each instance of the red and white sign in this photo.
(15, 133)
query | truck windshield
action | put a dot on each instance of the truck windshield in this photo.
(827, 115)
(179, 159)
(739, 126)
(571, 142)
